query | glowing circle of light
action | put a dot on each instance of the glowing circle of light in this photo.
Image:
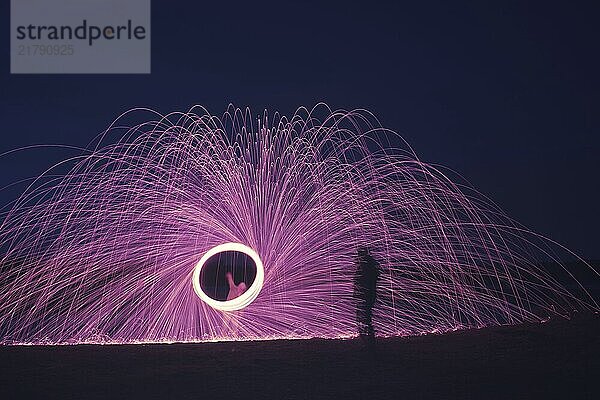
(245, 298)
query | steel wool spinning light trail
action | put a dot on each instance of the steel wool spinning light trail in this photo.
(108, 251)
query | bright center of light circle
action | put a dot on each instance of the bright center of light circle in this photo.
(245, 298)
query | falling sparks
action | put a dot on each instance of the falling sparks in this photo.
(106, 252)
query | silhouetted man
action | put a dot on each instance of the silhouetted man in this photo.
(365, 292)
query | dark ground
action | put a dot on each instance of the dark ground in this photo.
(558, 359)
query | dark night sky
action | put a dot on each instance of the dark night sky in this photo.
(506, 95)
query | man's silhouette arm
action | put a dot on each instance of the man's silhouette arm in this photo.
(230, 280)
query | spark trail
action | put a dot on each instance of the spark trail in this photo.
(107, 251)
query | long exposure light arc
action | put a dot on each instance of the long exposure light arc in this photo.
(106, 251)
(248, 296)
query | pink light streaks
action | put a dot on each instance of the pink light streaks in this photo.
(106, 252)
